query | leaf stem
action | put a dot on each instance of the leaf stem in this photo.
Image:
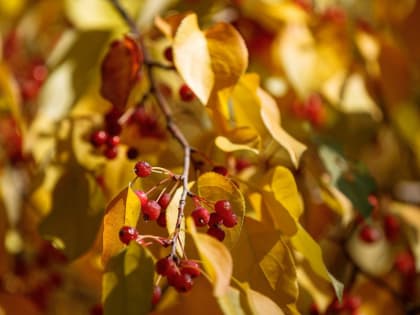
(166, 110)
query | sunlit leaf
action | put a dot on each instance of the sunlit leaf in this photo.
(84, 212)
(305, 244)
(215, 257)
(230, 302)
(258, 303)
(283, 200)
(128, 282)
(270, 115)
(192, 58)
(214, 187)
(226, 145)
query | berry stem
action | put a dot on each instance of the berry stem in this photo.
(166, 110)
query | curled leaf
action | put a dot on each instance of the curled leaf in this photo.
(120, 71)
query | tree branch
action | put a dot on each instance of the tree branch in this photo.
(166, 110)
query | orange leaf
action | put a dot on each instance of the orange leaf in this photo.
(120, 71)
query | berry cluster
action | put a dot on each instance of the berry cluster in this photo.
(179, 273)
(108, 139)
(222, 216)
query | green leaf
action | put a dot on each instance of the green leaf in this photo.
(215, 257)
(74, 224)
(214, 187)
(128, 282)
(306, 245)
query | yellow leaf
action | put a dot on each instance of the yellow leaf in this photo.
(271, 116)
(230, 302)
(113, 221)
(214, 187)
(192, 58)
(215, 257)
(305, 244)
(283, 200)
(132, 207)
(172, 216)
(228, 53)
(258, 303)
(262, 259)
(226, 145)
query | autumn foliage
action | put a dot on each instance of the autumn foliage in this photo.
(212, 157)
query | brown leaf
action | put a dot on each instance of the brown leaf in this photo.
(120, 71)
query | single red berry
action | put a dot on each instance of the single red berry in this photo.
(186, 93)
(201, 216)
(113, 128)
(127, 234)
(168, 53)
(98, 138)
(215, 219)
(161, 220)
(373, 201)
(166, 266)
(142, 169)
(219, 169)
(391, 227)
(164, 200)
(351, 302)
(223, 208)
(370, 234)
(190, 267)
(182, 282)
(216, 232)
(113, 141)
(151, 210)
(335, 307)
(230, 221)
(405, 264)
(157, 293)
(111, 153)
(242, 164)
(143, 197)
(132, 153)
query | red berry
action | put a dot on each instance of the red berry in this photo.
(370, 234)
(161, 220)
(111, 153)
(391, 227)
(230, 221)
(186, 94)
(127, 234)
(132, 153)
(113, 128)
(164, 200)
(166, 266)
(201, 216)
(157, 293)
(223, 208)
(113, 141)
(182, 282)
(168, 53)
(151, 210)
(98, 138)
(405, 263)
(142, 169)
(242, 164)
(216, 232)
(220, 170)
(351, 302)
(143, 197)
(190, 267)
(215, 219)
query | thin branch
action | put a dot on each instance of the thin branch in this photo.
(166, 110)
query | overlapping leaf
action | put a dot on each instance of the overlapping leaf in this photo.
(128, 282)
(204, 61)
